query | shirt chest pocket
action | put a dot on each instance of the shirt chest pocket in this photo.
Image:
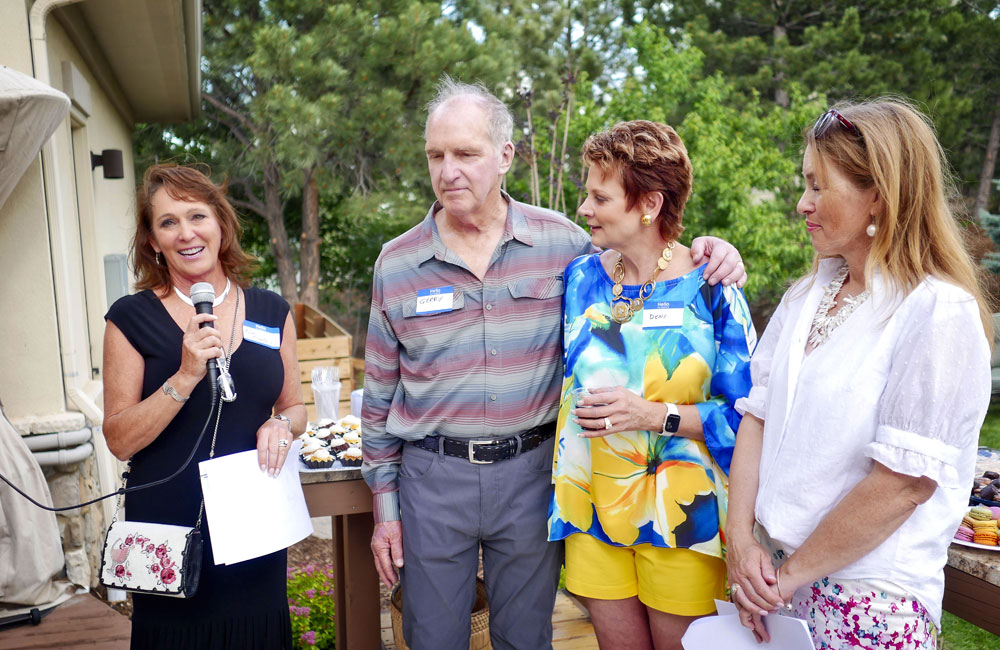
(430, 338)
(537, 289)
(536, 307)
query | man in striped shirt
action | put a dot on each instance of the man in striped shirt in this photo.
(463, 368)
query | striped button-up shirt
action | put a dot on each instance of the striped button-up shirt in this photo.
(489, 366)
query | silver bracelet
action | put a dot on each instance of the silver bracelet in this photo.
(170, 390)
(777, 584)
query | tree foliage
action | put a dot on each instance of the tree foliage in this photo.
(313, 110)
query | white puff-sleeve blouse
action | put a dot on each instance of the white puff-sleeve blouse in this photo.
(903, 381)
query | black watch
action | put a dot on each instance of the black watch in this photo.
(672, 421)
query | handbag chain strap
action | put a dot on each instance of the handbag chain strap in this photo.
(215, 431)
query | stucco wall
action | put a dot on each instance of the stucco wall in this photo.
(31, 380)
(104, 220)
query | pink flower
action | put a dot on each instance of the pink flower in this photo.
(149, 548)
(128, 541)
(155, 568)
(168, 576)
(161, 551)
(119, 570)
(310, 593)
(309, 638)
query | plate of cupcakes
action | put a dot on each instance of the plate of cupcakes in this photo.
(979, 528)
(331, 444)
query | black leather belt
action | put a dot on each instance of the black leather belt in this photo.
(483, 452)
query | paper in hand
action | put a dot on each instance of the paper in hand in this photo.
(249, 513)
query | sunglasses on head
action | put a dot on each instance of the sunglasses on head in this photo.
(830, 118)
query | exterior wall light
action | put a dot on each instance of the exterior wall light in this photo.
(111, 160)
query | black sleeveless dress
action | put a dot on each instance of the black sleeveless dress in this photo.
(242, 605)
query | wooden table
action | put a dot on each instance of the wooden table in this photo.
(345, 497)
(972, 586)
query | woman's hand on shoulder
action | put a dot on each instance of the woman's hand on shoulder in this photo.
(198, 346)
(615, 409)
(725, 264)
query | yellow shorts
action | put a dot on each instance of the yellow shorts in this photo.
(673, 580)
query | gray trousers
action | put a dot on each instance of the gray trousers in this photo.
(449, 509)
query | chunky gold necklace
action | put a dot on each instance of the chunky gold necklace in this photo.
(623, 308)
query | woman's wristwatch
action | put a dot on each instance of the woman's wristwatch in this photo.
(283, 418)
(672, 420)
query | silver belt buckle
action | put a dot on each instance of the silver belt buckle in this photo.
(472, 448)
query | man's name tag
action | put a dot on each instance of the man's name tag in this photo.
(269, 337)
(436, 300)
(663, 314)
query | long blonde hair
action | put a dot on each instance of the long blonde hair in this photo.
(917, 233)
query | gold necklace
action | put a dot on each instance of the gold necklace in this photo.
(623, 308)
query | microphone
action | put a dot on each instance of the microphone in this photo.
(203, 295)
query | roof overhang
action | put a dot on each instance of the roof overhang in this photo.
(151, 50)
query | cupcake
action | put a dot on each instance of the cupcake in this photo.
(338, 444)
(323, 433)
(309, 446)
(351, 457)
(353, 438)
(319, 459)
(324, 423)
(350, 422)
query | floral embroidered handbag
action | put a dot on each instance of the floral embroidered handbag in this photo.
(150, 558)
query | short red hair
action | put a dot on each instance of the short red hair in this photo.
(647, 157)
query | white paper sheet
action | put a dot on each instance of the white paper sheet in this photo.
(726, 631)
(249, 513)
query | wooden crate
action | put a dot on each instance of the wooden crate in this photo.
(322, 342)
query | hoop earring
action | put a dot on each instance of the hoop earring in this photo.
(646, 220)
(871, 229)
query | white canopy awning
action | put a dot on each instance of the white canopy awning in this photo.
(30, 112)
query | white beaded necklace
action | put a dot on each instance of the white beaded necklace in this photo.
(823, 323)
(215, 303)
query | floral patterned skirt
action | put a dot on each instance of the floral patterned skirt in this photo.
(860, 613)
(864, 614)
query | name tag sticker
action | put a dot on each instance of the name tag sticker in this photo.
(663, 314)
(269, 337)
(435, 301)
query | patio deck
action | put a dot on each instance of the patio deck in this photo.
(83, 621)
(86, 622)
(571, 628)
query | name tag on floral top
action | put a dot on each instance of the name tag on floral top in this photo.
(662, 314)
(436, 300)
(269, 337)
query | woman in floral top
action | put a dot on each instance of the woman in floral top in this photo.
(641, 464)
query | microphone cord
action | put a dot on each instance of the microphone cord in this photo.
(141, 486)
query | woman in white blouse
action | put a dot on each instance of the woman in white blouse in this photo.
(857, 447)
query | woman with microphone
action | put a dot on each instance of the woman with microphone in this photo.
(157, 397)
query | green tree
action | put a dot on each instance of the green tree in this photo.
(941, 53)
(314, 103)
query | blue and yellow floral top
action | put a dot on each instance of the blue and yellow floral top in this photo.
(690, 344)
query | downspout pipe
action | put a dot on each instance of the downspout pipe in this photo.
(64, 456)
(69, 313)
(58, 440)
